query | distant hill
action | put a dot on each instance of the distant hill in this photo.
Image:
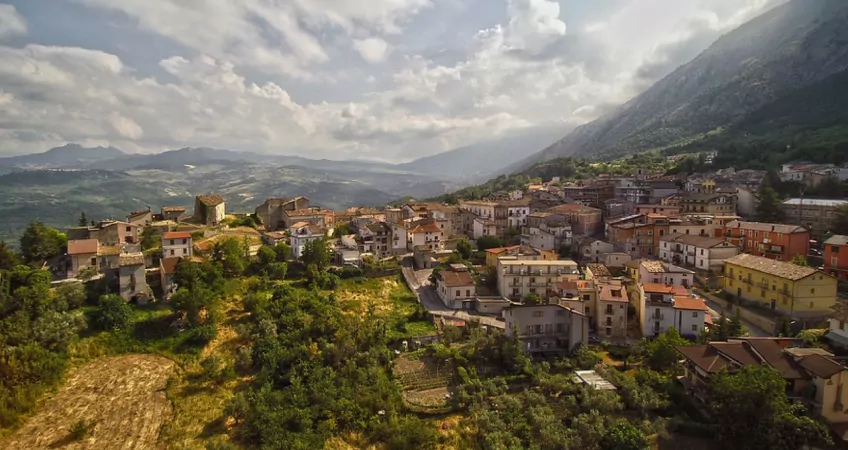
(794, 45)
(483, 160)
(70, 155)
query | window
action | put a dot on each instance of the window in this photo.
(702, 252)
(529, 330)
(185, 251)
(811, 305)
(609, 309)
(812, 291)
(694, 327)
(172, 252)
(468, 292)
(586, 297)
(171, 242)
(538, 313)
(185, 241)
(762, 292)
(608, 331)
(129, 229)
(93, 261)
(695, 314)
(587, 310)
(458, 293)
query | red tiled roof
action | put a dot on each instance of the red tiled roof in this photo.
(821, 366)
(82, 247)
(169, 265)
(704, 356)
(657, 288)
(606, 293)
(500, 250)
(135, 214)
(177, 235)
(210, 200)
(451, 278)
(424, 228)
(689, 303)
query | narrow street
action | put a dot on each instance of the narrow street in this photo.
(418, 282)
(715, 312)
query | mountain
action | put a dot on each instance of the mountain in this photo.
(482, 160)
(70, 155)
(789, 47)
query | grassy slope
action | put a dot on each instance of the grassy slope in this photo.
(199, 404)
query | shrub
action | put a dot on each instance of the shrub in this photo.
(114, 313)
(210, 367)
(202, 335)
(80, 429)
(244, 360)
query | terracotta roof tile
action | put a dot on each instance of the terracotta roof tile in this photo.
(170, 264)
(210, 200)
(772, 267)
(821, 366)
(690, 304)
(657, 288)
(177, 235)
(451, 278)
(82, 247)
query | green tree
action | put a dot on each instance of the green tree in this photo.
(150, 238)
(799, 260)
(83, 220)
(316, 252)
(231, 255)
(768, 208)
(40, 243)
(750, 410)
(839, 221)
(564, 251)
(624, 436)
(532, 299)
(283, 251)
(8, 258)
(199, 306)
(735, 327)
(277, 271)
(720, 328)
(113, 313)
(266, 255)
(661, 353)
(463, 247)
(341, 229)
(487, 242)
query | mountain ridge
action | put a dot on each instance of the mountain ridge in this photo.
(786, 48)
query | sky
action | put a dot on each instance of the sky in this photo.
(389, 80)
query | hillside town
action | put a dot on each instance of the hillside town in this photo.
(557, 266)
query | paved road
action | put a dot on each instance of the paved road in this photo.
(715, 311)
(418, 281)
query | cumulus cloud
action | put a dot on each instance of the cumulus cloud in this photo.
(319, 77)
(372, 50)
(11, 23)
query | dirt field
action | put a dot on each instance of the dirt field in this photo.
(122, 396)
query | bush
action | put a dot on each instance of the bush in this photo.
(114, 313)
(210, 367)
(202, 335)
(80, 429)
(244, 360)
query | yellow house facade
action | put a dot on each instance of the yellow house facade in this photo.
(519, 252)
(788, 288)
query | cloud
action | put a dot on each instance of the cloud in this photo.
(372, 50)
(389, 79)
(11, 23)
